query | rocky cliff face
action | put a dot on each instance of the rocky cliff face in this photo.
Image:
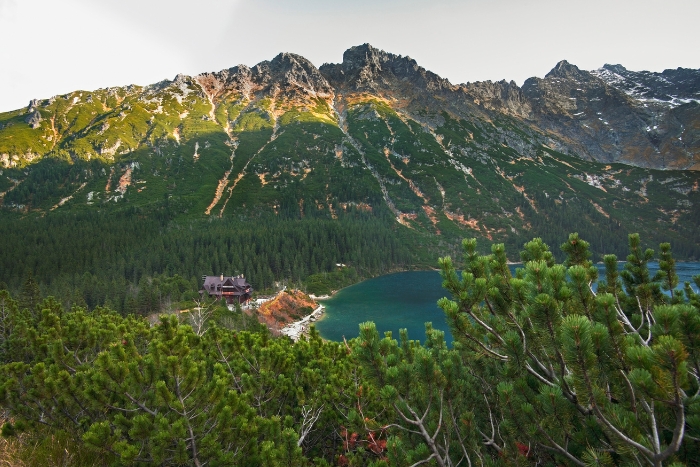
(608, 115)
(604, 116)
(367, 69)
(286, 75)
(501, 96)
(671, 87)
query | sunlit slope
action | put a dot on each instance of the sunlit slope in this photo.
(280, 140)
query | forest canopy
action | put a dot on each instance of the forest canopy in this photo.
(551, 366)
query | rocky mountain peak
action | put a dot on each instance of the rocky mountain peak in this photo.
(566, 70)
(287, 74)
(361, 68)
(611, 114)
(615, 68)
(365, 57)
(671, 88)
(501, 95)
(293, 73)
(366, 68)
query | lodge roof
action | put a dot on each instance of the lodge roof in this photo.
(238, 285)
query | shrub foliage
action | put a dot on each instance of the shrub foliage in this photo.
(550, 366)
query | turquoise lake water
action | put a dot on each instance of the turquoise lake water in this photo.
(406, 300)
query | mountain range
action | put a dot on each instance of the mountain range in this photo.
(604, 152)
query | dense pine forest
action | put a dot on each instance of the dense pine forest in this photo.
(137, 263)
(136, 260)
(144, 259)
(552, 366)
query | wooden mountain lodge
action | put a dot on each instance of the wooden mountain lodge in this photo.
(232, 289)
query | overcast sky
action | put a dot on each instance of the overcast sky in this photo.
(51, 47)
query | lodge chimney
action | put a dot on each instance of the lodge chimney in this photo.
(222, 278)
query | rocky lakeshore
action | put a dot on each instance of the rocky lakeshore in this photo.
(299, 328)
(288, 308)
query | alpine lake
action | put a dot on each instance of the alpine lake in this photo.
(408, 300)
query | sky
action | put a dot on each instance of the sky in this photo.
(51, 47)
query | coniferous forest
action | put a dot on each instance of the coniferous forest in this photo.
(551, 366)
(139, 264)
(143, 261)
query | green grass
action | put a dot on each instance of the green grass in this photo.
(17, 138)
(252, 121)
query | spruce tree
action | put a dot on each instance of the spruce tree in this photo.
(30, 295)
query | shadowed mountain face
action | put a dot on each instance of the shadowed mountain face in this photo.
(374, 135)
(367, 69)
(672, 87)
(610, 118)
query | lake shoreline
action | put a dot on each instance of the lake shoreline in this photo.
(393, 301)
(296, 329)
(408, 299)
(393, 271)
